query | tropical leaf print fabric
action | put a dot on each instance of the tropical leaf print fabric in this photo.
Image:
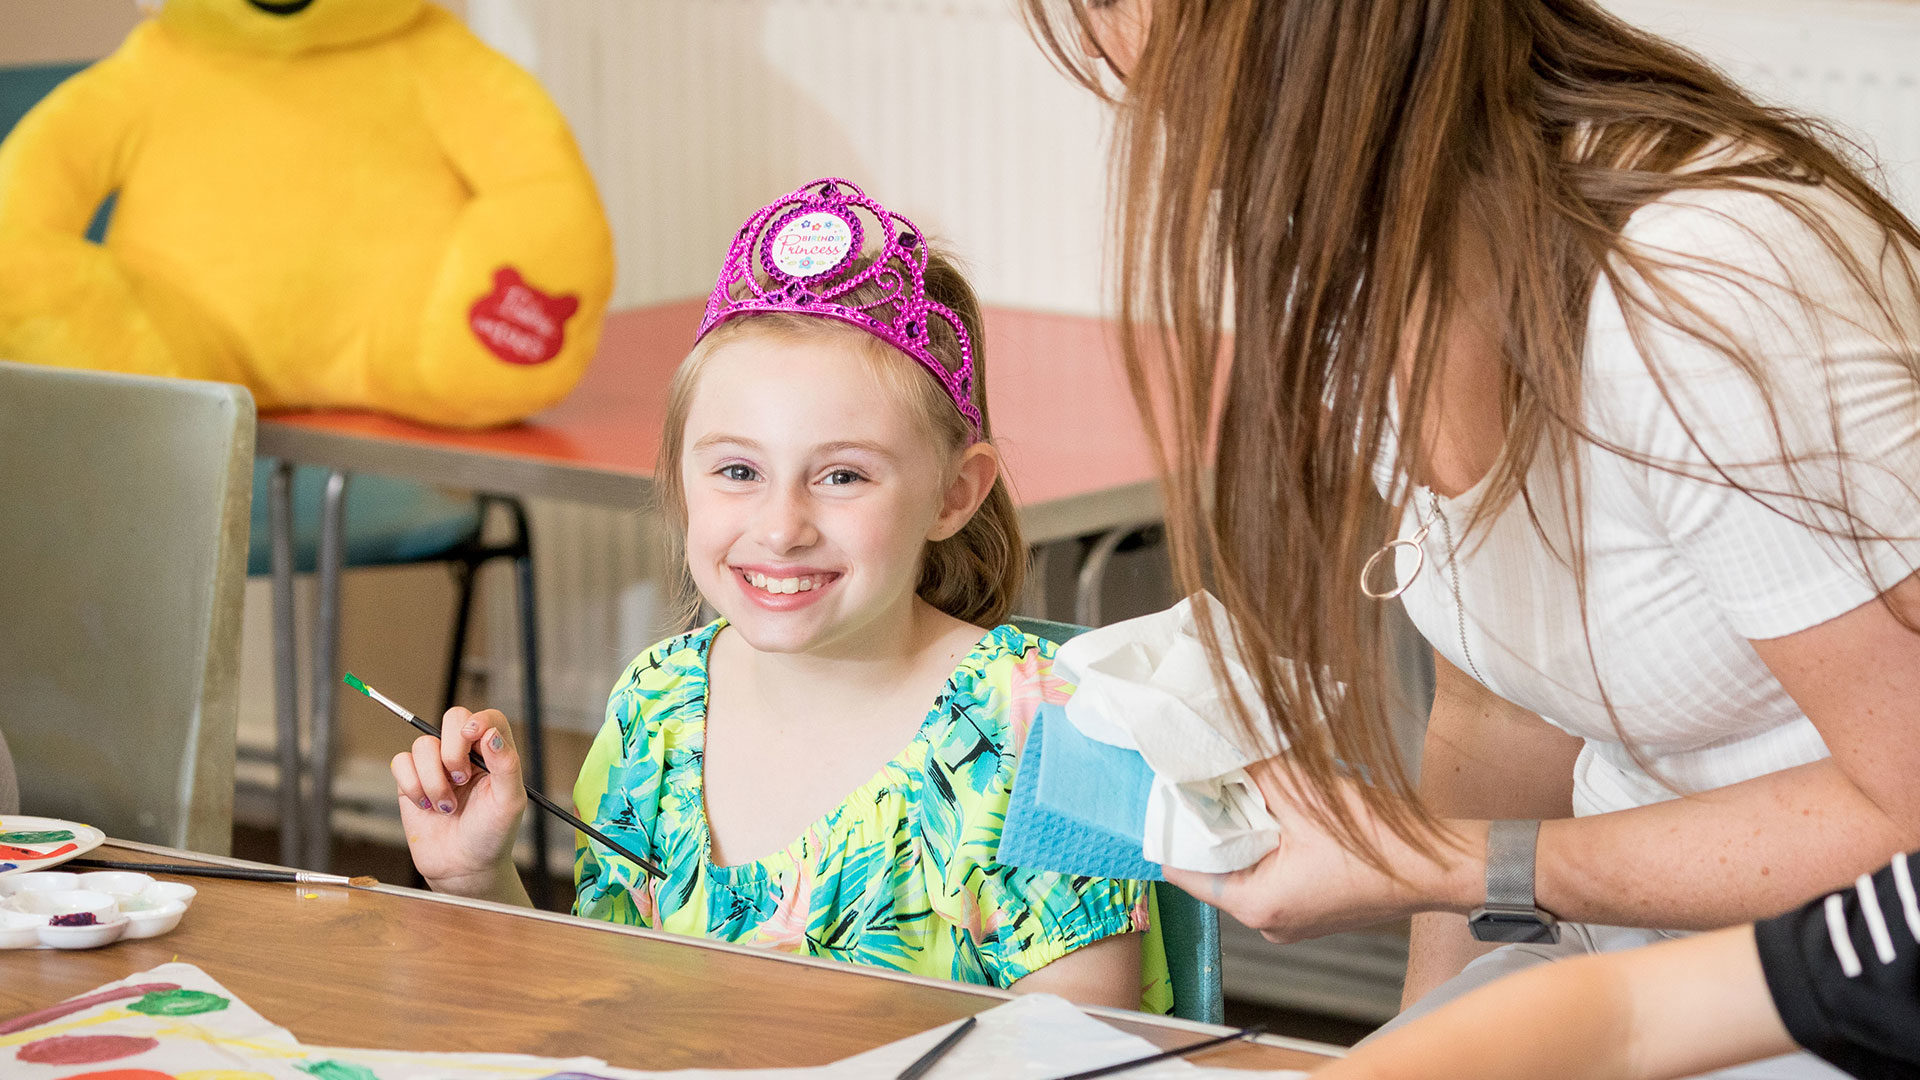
(901, 875)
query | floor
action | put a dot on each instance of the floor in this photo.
(391, 865)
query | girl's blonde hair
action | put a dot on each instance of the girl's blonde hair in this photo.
(976, 574)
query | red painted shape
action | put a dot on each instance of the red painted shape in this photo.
(517, 322)
(85, 1001)
(20, 854)
(84, 1049)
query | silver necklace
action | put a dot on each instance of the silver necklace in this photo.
(1416, 542)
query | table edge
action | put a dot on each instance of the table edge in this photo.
(447, 466)
(1130, 1016)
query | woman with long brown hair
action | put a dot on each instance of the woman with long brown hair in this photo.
(1606, 371)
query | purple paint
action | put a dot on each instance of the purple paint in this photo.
(78, 918)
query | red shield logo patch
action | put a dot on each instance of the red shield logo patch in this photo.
(517, 322)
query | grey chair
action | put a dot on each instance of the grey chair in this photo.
(123, 548)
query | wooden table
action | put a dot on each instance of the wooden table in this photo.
(399, 969)
(1077, 460)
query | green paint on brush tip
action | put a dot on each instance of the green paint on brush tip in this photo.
(354, 681)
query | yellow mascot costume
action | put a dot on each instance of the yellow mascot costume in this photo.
(338, 203)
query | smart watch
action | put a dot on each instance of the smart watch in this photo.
(1509, 913)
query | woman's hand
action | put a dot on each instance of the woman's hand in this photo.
(1310, 886)
(460, 822)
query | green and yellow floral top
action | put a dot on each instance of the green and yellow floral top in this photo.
(900, 875)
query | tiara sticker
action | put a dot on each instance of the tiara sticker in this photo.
(811, 244)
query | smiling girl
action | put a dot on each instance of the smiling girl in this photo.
(825, 768)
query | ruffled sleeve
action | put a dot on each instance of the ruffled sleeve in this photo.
(1788, 487)
(1019, 920)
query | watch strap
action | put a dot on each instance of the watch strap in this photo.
(1510, 847)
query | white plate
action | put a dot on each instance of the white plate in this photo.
(18, 857)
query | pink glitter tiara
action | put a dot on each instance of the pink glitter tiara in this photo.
(812, 259)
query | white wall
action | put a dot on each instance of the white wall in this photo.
(1853, 62)
(62, 31)
(693, 113)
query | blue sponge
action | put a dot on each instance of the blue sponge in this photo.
(1078, 805)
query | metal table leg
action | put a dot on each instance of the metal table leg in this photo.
(326, 665)
(1093, 572)
(536, 770)
(286, 675)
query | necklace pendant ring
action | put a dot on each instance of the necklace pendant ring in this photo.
(1387, 553)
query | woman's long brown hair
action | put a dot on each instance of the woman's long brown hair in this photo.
(1316, 174)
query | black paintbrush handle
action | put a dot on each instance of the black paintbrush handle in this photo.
(1178, 1051)
(237, 873)
(553, 808)
(925, 1062)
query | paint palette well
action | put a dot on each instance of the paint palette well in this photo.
(57, 910)
(37, 843)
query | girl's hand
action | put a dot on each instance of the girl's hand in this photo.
(1310, 886)
(460, 822)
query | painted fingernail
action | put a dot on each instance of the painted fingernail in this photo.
(459, 778)
(426, 803)
(497, 742)
(471, 729)
(446, 808)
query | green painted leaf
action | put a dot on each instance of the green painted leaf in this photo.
(179, 1003)
(52, 837)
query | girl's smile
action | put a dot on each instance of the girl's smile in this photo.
(778, 589)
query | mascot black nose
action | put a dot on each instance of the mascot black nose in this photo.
(282, 7)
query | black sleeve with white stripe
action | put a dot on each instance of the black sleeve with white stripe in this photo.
(1844, 972)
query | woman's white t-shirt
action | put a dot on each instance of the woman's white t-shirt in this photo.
(1682, 571)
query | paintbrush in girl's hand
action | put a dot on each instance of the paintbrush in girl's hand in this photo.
(546, 804)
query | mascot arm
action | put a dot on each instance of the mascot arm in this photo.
(514, 314)
(68, 153)
(65, 300)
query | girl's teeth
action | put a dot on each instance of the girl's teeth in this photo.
(782, 586)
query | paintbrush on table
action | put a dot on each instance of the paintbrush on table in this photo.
(1162, 1055)
(545, 803)
(236, 873)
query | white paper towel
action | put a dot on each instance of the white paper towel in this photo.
(1145, 684)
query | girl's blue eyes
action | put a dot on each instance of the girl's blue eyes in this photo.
(745, 474)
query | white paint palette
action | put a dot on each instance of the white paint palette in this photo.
(53, 909)
(29, 844)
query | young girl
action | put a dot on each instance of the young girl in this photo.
(825, 768)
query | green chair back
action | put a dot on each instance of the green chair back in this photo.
(124, 557)
(1189, 928)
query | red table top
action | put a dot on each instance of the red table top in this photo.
(1062, 414)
